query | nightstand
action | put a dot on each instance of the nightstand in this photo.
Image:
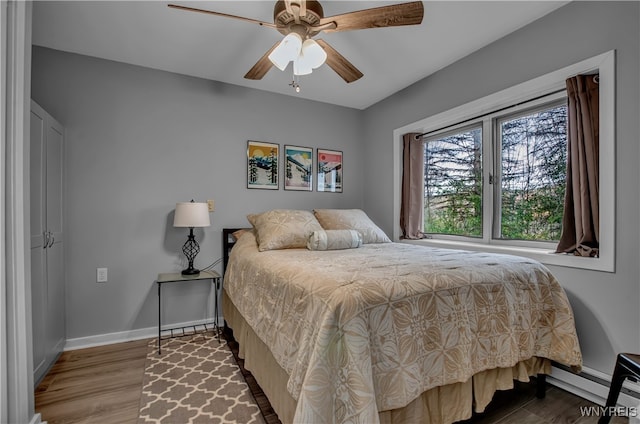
(179, 278)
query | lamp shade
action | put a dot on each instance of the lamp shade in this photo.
(312, 53)
(301, 67)
(288, 50)
(191, 214)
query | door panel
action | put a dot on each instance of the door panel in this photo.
(55, 300)
(39, 308)
(36, 177)
(54, 181)
(37, 231)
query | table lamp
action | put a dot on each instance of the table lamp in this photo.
(191, 215)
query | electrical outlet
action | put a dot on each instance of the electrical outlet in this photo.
(211, 205)
(101, 275)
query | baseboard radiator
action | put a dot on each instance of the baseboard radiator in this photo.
(593, 385)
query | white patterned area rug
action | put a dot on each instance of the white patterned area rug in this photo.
(195, 380)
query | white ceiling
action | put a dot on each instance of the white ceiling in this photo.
(148, 33)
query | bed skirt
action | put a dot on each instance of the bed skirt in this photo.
(443, 405)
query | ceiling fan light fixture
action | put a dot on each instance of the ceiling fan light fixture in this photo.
(301, 67)
(312, 54)
(311, 57)
(288, 50)
(300, 20)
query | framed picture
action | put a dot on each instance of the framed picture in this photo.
(298, 165)
(329, 170)
(262, 165)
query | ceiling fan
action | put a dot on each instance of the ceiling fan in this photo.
(301, 20)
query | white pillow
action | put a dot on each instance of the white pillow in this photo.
(334, 240)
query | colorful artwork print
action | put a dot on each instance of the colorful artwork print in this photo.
(262, 165)
(329, 171)
(298, 168)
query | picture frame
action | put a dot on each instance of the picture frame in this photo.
(263, 165)
(298, 168)
(329, 170)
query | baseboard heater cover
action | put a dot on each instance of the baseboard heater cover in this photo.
(592, 385)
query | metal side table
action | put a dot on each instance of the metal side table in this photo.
(179, 278)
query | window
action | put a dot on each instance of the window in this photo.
(453, 183)
(533, 168)
(515, 175)
(526, 163)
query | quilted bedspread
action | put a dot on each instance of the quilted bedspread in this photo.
(369, 329)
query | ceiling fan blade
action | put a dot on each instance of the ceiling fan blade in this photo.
(262, 66)
(209, 12)
(338, 63)
(378, 17)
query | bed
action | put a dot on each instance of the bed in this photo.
(367, 330)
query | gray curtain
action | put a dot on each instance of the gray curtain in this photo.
(412, 206)
(580, 223)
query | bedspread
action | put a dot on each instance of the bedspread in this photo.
(369, 329)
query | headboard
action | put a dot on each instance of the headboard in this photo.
(228, 240)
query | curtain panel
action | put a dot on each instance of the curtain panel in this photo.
(412, 203)
(580, 223)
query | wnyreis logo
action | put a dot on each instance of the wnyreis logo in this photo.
(612, 411)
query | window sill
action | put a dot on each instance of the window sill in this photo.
(544, 256)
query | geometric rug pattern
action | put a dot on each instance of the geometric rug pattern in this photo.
(195, 380)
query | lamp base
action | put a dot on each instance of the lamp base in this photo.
(190, 250)
(190, 271)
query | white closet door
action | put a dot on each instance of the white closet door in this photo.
(55, 263)
(38, 228)
(47, 237)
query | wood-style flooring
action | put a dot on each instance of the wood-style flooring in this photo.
(94, 385)
(103, 385)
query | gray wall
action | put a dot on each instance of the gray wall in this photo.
(140, 140)
(605, 304)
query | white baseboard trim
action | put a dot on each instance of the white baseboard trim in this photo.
(593, 385)
(127, 336)
(37, 419)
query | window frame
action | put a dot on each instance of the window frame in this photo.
(526, 108)
(532, 89)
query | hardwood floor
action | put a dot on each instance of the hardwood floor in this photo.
(94, 385)
(520, 406)
(103, 385)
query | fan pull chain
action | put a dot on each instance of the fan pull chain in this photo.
(295, 84)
